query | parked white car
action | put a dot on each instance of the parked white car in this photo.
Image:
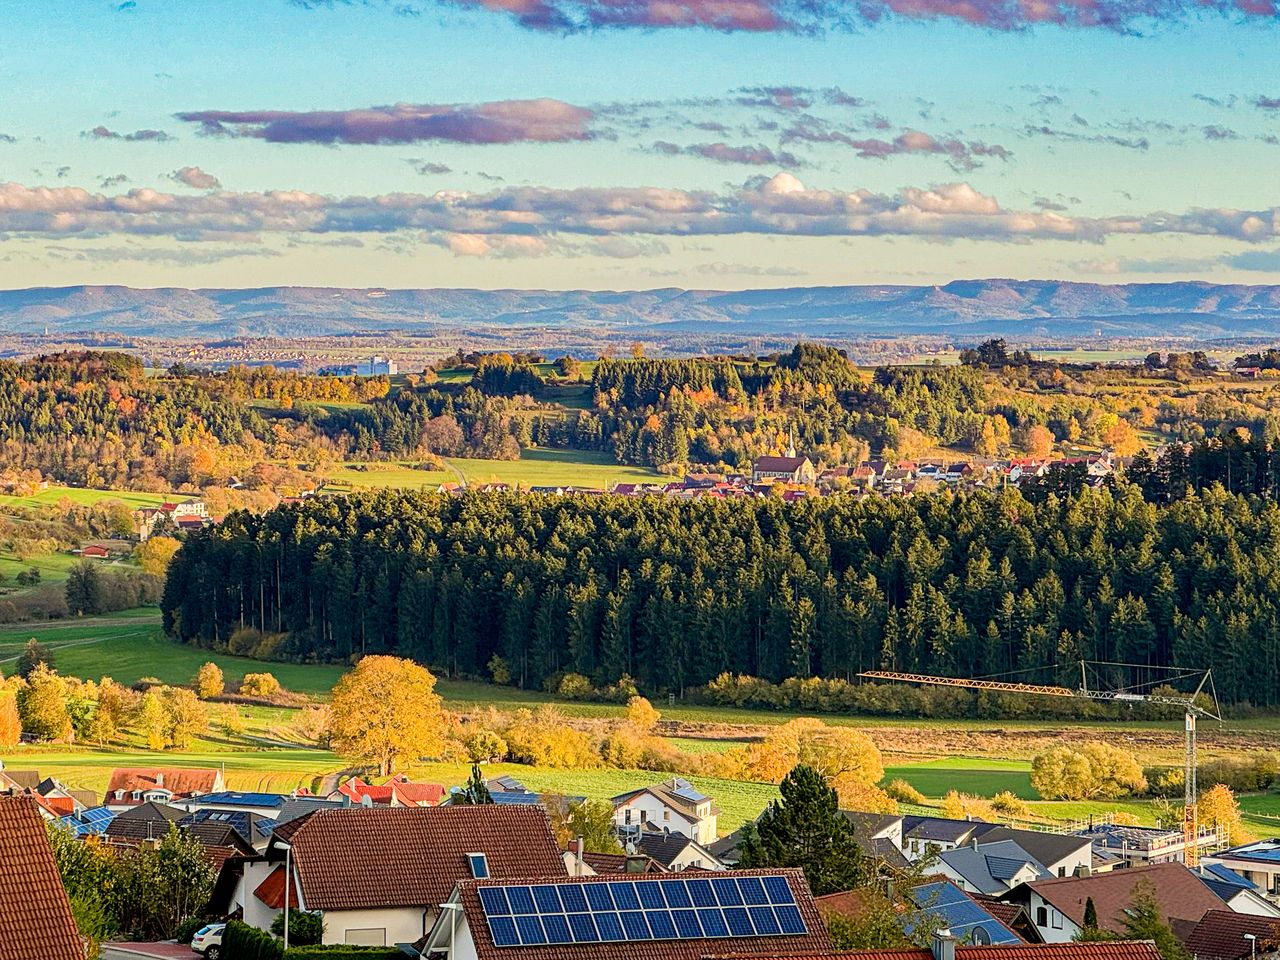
(208, 941)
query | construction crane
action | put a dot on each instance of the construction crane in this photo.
(1191, 705)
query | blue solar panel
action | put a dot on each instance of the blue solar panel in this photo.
(575, 901)
(637, 910)
(948, 904)
(584, 928)
(504, 932)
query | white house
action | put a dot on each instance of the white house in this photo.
(379, 874)
(988, 868)
(673, 806)
(675, 852)
(1258, 862)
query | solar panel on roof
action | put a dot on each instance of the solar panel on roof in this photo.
(667, 909)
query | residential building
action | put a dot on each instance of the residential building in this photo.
(146, 821)
(1226, 935)
(673, 806)
(131, 786)
(631, 917)
(676, 852)
(1139, 846)
(1057, 906)
(398, 791)
(953, 909)
(990, 868)
(1060, 854)
(924, 837)
(1239, 893)
(581, 863)
(377, 366)
(1258, 862)
(788, 469)
(35, 915)
(379, 874)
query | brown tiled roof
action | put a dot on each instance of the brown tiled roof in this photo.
(1220, 935)
(26, 779)
(35, 917)
(778, 464)
(1180, 894)
(1110, 950)
(271, 890)
(413, 856)
(617, 863)
(815, 941)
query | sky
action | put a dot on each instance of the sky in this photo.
(624, 144)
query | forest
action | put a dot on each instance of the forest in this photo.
(676, 594)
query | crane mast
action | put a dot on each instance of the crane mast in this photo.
(1188, 702)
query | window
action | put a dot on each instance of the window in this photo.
(1062, 871)
(1042, 917)
(1057, 920)
(479, 865)
(666, 814)
(627, 816)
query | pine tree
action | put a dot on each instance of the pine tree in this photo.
(476, 791)
(805, 829)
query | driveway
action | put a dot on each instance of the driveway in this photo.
(150, 951)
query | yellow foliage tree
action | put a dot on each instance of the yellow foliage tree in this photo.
(386, 711)
(10, 722)
(154, 554)
(208, 682)
(1218, 808)
(185, 717)
(42, 704)
(263, 685)
(151, 720)
(857, 794)
(642, 716)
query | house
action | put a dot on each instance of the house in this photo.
(35, 915)
(377, 366)
(1061, 855)
(1139, 846)
(1226, 935)
(581, 863)
(146, 821)
(945, 904)
(1258, 862)
(185, 515)
(398, 791)
(743, 913)
(943, 946)
(879, 835)
(253, 815)
(990, 868)
(924, 837)
(788, 469)
(88, 823)
(379, 874)
(95, 551)
(131, 786)
(1057, 906)
(1239, 893)
(673, 806)
(675, 851)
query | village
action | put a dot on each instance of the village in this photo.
(475, 871)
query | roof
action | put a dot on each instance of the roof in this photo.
(617, 863)
(271, 890)
(778, 464)
(991, 867)
(958, 912)
(180, 781)
(938, 828)
(1113, 950)
(815, 941)
(677, 793)
(1180, 894)
(1220, 935)
(1260, 851)
(663, 847)
(375, 856)
(26, 779)
(1046, 848)
(35, 916)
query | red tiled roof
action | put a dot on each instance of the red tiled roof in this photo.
(617, 863)
(1180, 894)
(180, 781)
(271, 890)
(778, 464)
(1220, 935)
(35, 917)
(413, 856)
(815, 942)
(1109, 950)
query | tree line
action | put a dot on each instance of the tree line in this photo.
(676, 594)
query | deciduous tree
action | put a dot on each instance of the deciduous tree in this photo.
(386, 711)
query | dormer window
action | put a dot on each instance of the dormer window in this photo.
(479, 865)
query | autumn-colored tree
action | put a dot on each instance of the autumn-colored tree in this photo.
(259, 685)
(10, 721)
(185, 717)
(1218, 809)
(1092, 770)
(642, 716)
(42, 704)
(208, 682)
(151, 720)
(962, 806)
(154, 554)
(386, 711)
(114, 704)
(1037, 441)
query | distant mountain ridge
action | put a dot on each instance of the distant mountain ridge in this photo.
(962, 309)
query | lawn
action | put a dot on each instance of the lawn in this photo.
(979, 777)
(52, 566)
(401, 475)
(84, 497)
(545, 467)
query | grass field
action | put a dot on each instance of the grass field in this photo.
(402, 475)
(979, 777)
(582, 468)
(52, 566)
(79, 495)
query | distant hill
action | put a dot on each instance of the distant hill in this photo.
(964, 309)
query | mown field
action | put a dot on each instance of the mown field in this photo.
(544, 467)
(84, 497)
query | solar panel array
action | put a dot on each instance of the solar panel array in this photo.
(632, 910)
(961, 914)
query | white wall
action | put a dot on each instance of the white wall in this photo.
(692, 856)
(397, 924)
(645, 806)
(256, 913)
(1057, 928)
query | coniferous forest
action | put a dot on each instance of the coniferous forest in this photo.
(674, 594)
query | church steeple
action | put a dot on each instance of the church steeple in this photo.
(791, 445)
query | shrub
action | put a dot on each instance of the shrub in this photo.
(1010, 804)
(343, 950)
(903, 792)
(259, 685)
(208, 682)
(244, 942)
(187, 929)
(305, 929)
(485, 745)
(574, 686)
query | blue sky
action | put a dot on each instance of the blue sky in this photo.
(592, 143)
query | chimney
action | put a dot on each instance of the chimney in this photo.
(579, 846)
(159, 779)
(1084, 871)
(637, 864)
(943, 945)
(975, 843)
